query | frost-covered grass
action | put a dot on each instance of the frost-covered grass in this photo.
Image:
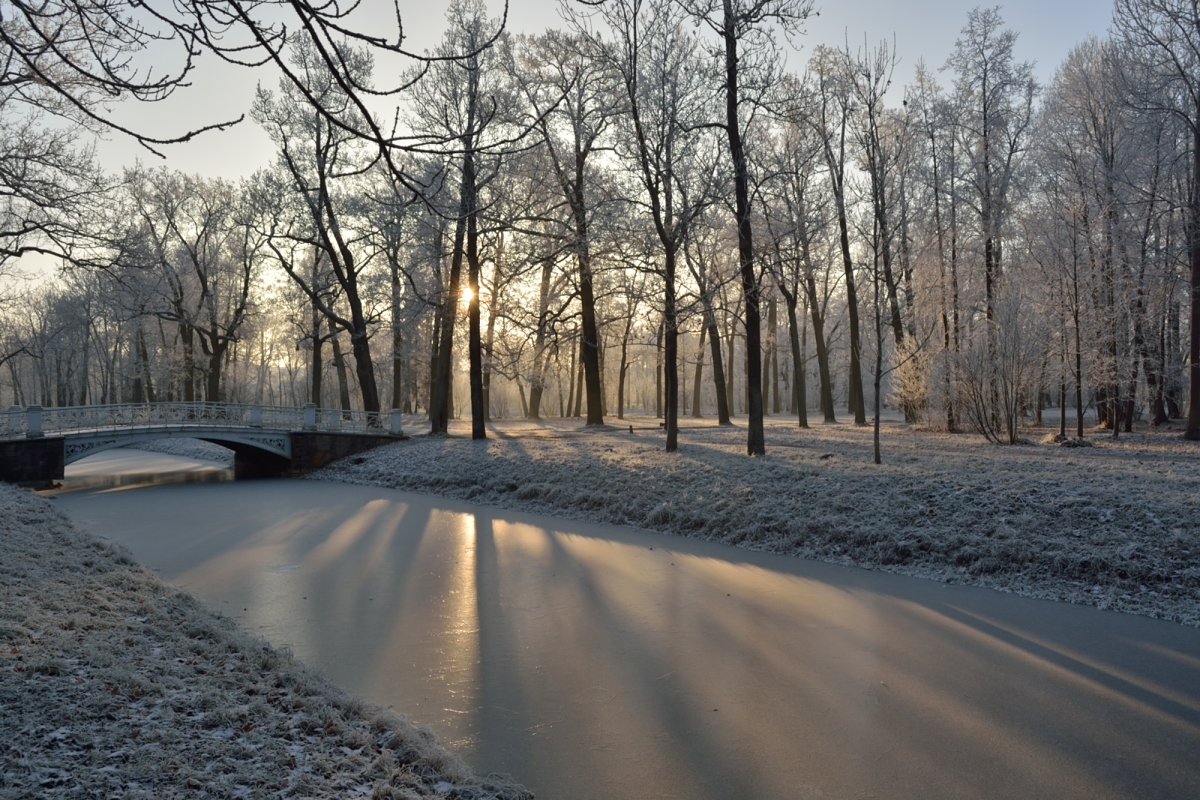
(113, 684)
(1116, 525)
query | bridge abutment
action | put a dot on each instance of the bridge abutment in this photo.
(36, 461)
(250, 463)
(312, 450)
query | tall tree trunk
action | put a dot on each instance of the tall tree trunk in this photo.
(773, 324)
(339, 368)
(658, 372)
(571, 384)
(1078, 371)
(799, 380)
(624, 368)
(1062, 393)
(699, 374)
(316, 363)
(955, 302)
(360, 346)
(729, 388)
(398, 366)
(541, 359)
(714, 346)
(577, 411)
(212, 387)
(1193, 419)
(1171, 338)
(489, 350)
(590, 341)
(878, 371)
(755, 439)
(670, 355)
(474, 332)
(440, 391)
(435, 339)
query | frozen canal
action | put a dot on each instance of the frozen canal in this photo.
(592, 661)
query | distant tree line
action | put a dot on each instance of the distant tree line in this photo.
(641, 210)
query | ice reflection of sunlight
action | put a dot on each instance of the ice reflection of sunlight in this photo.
(235, 566)
(458, 623)
(345, 536)
(462, 612)
(431, 640)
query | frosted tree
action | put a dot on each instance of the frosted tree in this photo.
(571, 98)
(996, 93)
(794, 213)
(318, 159)
(745, 31)
(201, 254)
(1164, 36)
(459, 107)
(933, 120)
(832, 90)
(670, 154)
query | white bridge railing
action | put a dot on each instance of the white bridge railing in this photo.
(36, 421)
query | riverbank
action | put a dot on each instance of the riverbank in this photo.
(114, 684)
(1112, 525)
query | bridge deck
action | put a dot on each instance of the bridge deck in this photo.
(16, 423)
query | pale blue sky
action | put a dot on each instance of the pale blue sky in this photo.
(922, 29)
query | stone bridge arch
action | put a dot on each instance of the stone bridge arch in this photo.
(239, 440)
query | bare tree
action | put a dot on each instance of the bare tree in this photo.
(319, 158)
(832, 88)
(934, 119)
(571, 98)
(460, 103)
(997, 95)
(744, 29)
(660, 69)
(1165, 37)
(203, 251)
(704, 256)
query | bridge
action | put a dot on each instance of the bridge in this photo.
(37, 443)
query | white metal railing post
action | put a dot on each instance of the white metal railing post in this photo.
(310, 416)
(256, 417)
(33, 422)
(395, 424)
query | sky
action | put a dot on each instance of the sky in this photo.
(922, 29)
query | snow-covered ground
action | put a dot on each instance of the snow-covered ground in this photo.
(113, 684)
(1116, 525)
